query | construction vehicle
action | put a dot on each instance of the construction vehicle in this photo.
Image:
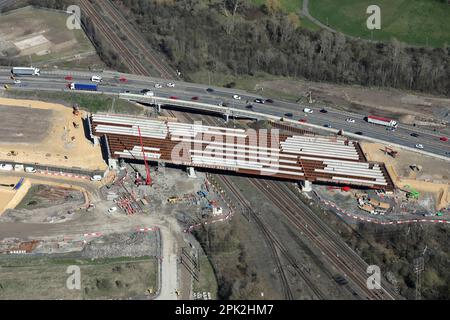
(173, 200)
(390, 151)
(23, 71)
(6, 87)
(416, 167)
(411, 193)
(75, 125)
(76, 110)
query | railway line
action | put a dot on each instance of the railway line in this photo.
(128, 58)
(334, 249)
(164, 71)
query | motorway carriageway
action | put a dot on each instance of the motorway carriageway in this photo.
(55, 81)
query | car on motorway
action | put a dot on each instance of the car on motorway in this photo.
(289, 115)
(257, 100)
(97, 79)
(327, 125)
(249, 106)
(127, 91)
(308, 110)
(390, 129)
(359, 133)
(158, 86)
(68, 78)
(194, 98)
(447, 153)
(209, 90)
(236, 97)
(323, 110)
(6, 167)
(302, 120)
(419, 146)
(147, 92)
(171, 85)
(445, 139)
(350, 120)
(415, 135)
(17, 81)
(173, 97)
(269, 100)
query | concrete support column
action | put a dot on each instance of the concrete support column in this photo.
(158, 107)
(96, 140)
(227, 117)
(112, 164)
(306, 186)
(191, 172)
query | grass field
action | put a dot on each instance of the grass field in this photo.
(89, 102)
(65, 47)
(45, 278)
(417, 22)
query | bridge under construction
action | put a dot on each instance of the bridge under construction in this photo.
(302, 157)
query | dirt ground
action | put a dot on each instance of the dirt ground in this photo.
(433, 178)
(9, 198)
(406, 107)
(61, 146)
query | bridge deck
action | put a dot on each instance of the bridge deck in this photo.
(265, 152)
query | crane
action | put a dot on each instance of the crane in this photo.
(148, 179)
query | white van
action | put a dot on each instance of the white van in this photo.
(96, 79)
(6, 167)
(30, 170)
(307, 110)
(96, 177)
(18, 167)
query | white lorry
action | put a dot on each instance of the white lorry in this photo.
(24, 71)
(382, 121)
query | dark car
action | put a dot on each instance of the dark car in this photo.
(249, 106)
(173, 97)
(359, 132)
(289, 115)
(210, 90)
(323, 111)
(415, 135)
(145, 91)
(269, 100)
(194, 98)
(327, 125)
(259, 100)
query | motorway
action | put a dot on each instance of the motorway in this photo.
(55, 81)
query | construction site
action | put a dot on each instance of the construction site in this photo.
(128, 190)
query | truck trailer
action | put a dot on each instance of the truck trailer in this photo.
(382, 121)
(83, 86)
(24, 71)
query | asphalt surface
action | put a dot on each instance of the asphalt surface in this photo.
(55, 81)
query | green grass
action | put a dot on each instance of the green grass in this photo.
(89, 102)
(417, 22)
(45, 277)
(286, 5)
(207, 280)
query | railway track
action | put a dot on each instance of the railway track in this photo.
(269, 238)
(164, 71)
(129, 59)
(333, 248)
